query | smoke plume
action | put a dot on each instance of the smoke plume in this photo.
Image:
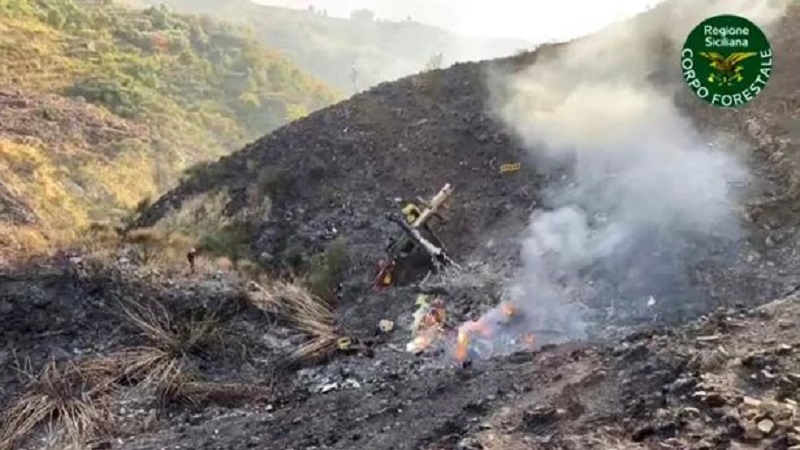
(643, 196)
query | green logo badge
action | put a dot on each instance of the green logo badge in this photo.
(726, 61)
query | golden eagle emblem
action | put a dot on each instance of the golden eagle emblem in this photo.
(728, 70)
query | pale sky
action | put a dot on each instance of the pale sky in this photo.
(532, 20)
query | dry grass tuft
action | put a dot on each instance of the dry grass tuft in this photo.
(317, 348)
(262, 298)
(165, 363)
(71, 400)
(147, 242)
(177, 338)
(24, 240)
(308, 314)
(175, 388)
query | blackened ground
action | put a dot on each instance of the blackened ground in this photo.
(71, 312)
(681, 388)
(345, 165)
(401, 404)
(728, 381)
(341, 168)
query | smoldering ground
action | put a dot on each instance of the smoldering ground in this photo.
(646, 199)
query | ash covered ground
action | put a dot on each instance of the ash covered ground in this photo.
(648, 244)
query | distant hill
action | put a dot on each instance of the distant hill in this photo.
(103, 106)
(331, 47)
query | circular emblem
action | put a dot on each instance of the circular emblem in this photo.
(726, 61)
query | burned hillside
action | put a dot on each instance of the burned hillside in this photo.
(343, 166)
(335, 174)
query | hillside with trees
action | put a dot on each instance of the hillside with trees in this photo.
(103, 106)
(352, 53)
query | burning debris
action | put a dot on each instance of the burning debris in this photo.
(508, 311)
(529, 339)
(462, 346)
(429, 323)
(502, 330)
(417, 236)
(430, 314)
(496, 332)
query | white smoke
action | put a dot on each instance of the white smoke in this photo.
(644, 193)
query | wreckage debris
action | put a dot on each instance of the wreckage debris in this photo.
(385, 275)
(510, 168)
(413, 223)
(428, 325)
(529, 339)
(386, 326)
(351, 346)
(430, 313)
(462, 346)
(473, 339)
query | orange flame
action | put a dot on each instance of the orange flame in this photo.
(430, 327)
(433, 318)
(529, 339)
(159, 42)
(462, 346)
(480, 327)
(420, 343)
(508, 310)
(485, 327)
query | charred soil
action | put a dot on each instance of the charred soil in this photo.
(717, 371)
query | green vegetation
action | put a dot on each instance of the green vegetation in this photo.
(327, 269)
(175, 90)
(230, 242)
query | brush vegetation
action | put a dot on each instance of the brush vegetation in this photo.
(107, 105)
(306, 313)
(165, 359)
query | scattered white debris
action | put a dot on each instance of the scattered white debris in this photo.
(766, 426)
(335, 386)
(414, 346)
(386, 326)
(750, 402)
(325, 388)
(352, 383)
(422, 310)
